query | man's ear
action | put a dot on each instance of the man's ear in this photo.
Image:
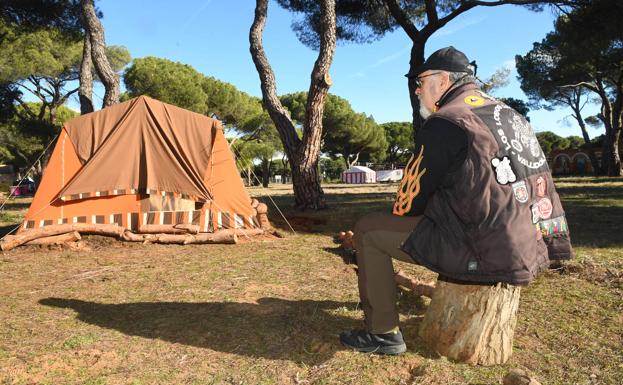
(445, 80)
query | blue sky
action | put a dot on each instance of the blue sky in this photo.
(212, 36)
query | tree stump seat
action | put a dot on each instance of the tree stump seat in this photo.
(473, 324)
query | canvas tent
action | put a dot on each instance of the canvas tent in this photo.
(142, 162)
(358, 174)
(389, 175)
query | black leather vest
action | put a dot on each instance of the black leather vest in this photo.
(497, 218)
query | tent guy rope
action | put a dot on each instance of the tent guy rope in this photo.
(12, 195)
(265, 190)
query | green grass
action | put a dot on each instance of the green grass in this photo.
(10, 217)
(75, 342)
(269, 312)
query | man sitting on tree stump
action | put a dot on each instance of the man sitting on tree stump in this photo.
(476, 204)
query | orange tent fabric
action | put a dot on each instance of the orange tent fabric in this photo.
(142, 161)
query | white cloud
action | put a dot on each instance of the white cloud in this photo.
(391, 57)
(195, 15)
(382, 61)
(453, 28)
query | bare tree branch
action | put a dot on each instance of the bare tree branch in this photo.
(431, 11)
(403, 19)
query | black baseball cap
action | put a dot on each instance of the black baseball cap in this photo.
(446, 59)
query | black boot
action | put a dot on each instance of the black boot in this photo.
(362, 341)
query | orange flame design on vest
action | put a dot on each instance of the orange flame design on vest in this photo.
(410, 185)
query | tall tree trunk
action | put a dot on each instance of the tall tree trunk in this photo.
(575, 104)
(417, 59)
(610, 159)
(104, 71)
(265, 173)
(303, 154)
(591, 151)
(86, 78)
(53, 112)
(306, 185)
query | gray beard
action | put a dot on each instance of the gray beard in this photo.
(424, 112)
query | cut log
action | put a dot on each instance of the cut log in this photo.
(53, 233)
(261, 208)
(184, 239)
(473, 324)
(254, 203)
(242, 232)
(98, 229)
(180, 239)
(348, 242)
(218, 237)
(56, 239)
(168, 229)
(11, 241)
(418, 287)
(264, 222)
(190, 229)
(132, 237)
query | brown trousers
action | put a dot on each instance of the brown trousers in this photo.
(378, 237)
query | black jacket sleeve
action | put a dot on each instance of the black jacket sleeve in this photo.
(440, 148)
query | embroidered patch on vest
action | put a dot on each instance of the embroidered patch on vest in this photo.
(541, 209)
(535, 213)
(520, 190)
(556, 225)
(544, 206)
(541, 188)
(503, 171)
(474, 100)
(515, 139)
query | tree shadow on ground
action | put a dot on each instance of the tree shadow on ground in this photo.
(303, 331)
(348, 256)
(342, 212)
(4, 230)
(593, 223)
(16, 206)
(594, 226)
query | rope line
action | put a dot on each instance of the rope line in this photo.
(12, 194)
(266, 190)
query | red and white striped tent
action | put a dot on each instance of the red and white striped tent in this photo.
(359, 175)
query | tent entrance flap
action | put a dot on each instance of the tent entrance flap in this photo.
(158, 202)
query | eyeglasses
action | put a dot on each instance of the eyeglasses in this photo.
(418, 80)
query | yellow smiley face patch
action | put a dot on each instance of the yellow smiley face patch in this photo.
(474, 100)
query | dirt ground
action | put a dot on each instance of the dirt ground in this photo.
(269, 311)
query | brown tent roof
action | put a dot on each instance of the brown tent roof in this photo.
(142, 144)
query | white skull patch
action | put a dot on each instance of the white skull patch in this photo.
(503, 172)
